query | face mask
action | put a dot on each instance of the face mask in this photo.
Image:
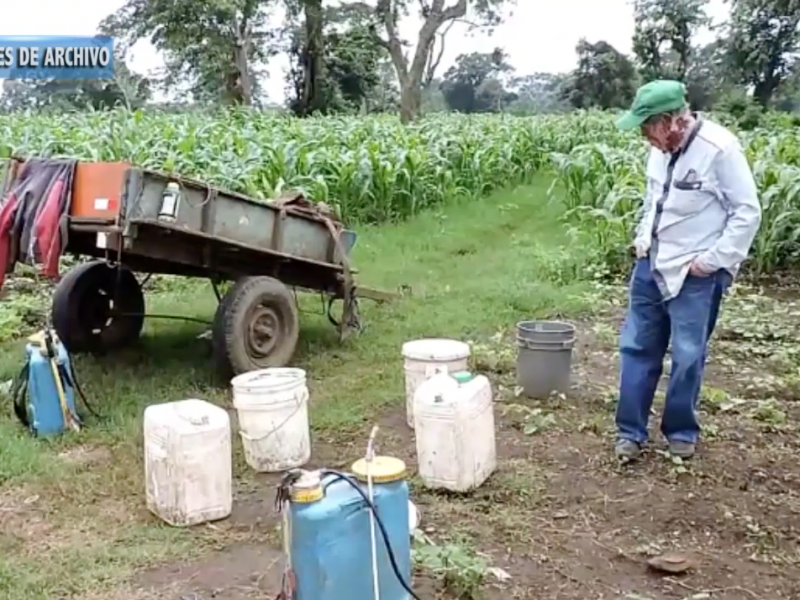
(667, 132)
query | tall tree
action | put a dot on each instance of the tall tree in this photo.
(417, 67)
(436, 54)
(763, 42)
(539, 93)
(305, 23)
(787, 98)
(706, 79)
(214, 45)
(349, 68)
(313, 57)
(662, 38)
(473, 83)
(605, 78)
(127, 89)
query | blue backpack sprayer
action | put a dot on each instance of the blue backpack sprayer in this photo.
(347, 536)
(44, 391)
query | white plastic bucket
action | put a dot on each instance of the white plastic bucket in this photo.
(413, 518)
(426, 357)
(272, 406)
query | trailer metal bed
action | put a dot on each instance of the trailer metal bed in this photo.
(264, 248)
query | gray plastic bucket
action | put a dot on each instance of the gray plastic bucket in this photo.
(544, 357)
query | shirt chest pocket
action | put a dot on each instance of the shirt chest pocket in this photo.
(690, 196)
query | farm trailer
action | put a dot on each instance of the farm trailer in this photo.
(135, 220)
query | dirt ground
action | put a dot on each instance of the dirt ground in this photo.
(562, 519)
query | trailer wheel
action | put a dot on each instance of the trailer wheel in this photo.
(256, 326)
(86, 304)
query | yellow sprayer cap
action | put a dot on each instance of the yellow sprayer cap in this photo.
(383, 469)
(308, 488)
(37, 339)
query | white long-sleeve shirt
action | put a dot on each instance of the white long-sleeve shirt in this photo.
(701, 203)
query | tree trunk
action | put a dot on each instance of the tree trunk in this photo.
(410, 77)
(770, 79)
(411, 93)
(410, 102)
(434, 60)
(244, 84)
(242, 88)
(763, 92)
(314, 59)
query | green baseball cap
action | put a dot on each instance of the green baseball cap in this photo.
(654, 98)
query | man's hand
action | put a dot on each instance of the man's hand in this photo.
(698, 269)
(641, 248)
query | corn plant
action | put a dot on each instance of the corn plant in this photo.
(372, 169)
(600, 180)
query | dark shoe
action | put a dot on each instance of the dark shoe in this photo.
(684, 450)
(627, 450)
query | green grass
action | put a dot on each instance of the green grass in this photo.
(474, 269)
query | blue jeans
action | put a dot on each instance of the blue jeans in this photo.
(688, 320)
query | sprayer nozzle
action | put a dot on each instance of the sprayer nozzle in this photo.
(370, 455)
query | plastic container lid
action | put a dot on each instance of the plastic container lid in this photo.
(384, 469)
(463, 376)
(436, 349)
(37, 338)
(189, 416)
(272, 378)
(308, 488)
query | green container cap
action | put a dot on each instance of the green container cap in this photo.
(463, 376)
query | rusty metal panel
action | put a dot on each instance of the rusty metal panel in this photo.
(96, 190)
(229, 216)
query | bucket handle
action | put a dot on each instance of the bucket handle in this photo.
(299, 404)
(267, 374)
(542, 327)
(195, 420)
(542, 345)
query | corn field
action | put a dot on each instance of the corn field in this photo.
(372, 169)
(601, 181)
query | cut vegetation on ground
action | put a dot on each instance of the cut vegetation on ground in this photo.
(560, 519)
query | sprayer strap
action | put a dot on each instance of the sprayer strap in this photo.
(288, 581)
(72, 381)
(287, 536)
(19, 393)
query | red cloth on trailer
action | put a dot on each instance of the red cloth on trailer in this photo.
(34, 215)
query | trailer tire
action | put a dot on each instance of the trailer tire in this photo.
(84, 301)
(256, 326)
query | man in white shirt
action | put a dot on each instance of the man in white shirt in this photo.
(699, 218)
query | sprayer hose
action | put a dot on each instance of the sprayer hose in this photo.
(392, 560)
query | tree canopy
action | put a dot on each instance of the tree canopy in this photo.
(350, 55)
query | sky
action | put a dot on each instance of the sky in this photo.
(540, 36)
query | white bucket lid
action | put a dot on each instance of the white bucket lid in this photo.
(436, 349)
(272, 378)
(188, 415)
